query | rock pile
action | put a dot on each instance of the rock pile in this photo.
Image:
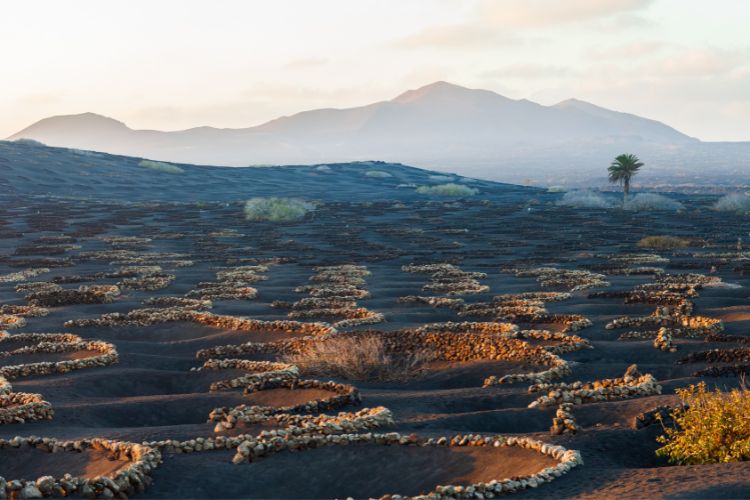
(673, 315)
(660, 414)
(11, 321)
(564, 421)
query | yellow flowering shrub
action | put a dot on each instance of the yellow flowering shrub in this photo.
(711, 427)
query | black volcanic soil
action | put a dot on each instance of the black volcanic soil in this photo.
(359, 471)
(31, 463)
(152, 394)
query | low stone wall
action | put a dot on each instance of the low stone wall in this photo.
(148, 282)
(449, 279)
(152, 316)
(632, 384)
(19, 407)
(54, 295)
(343, 395)
(559, 369)
(288, 425)
(183, 302)
(572, 279)
(336, 291)
(260, 371)
(467, 341)
(54, 343)
(128, 481)
(256, 325)
(23, 275)
(250, 450)
(231, 284)
(25, 311)
(223, 291)
(568, 343)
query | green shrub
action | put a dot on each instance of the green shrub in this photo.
(161, 166)
(378, 174)
(710, 427)
(449, 189)
(584, 199)
(556, 189)
(277, 209)
(663, 242)
(646, 202)
(733, 202)
(29, 142)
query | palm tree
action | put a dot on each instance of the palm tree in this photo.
(622, 169)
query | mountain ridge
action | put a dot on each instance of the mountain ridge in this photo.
(441, 125)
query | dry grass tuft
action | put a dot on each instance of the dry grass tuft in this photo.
(450, 189)
(710, 427)
(361, 357)
(663, 242)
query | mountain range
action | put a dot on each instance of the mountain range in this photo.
(440, 126)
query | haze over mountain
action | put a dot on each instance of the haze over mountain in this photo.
(441, 126)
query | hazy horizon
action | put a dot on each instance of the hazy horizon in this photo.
(176, 65)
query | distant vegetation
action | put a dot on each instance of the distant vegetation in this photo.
(709, 428)
(379, 174)
(622, 169)
(584, 199)
(662, 242)
(645, 202)
(734, 202)
(323, 168)
(556, 189)
(29, 142)
(359, 358)
(449, 189)
(277, 209)
(161, 166)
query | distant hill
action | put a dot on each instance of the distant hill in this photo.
(440, 126)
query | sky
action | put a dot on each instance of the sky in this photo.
(176, 64)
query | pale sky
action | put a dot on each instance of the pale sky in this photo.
(175, 64)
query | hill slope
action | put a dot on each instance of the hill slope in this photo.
(30, 168)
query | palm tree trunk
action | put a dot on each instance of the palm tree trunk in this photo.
(625, 190)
